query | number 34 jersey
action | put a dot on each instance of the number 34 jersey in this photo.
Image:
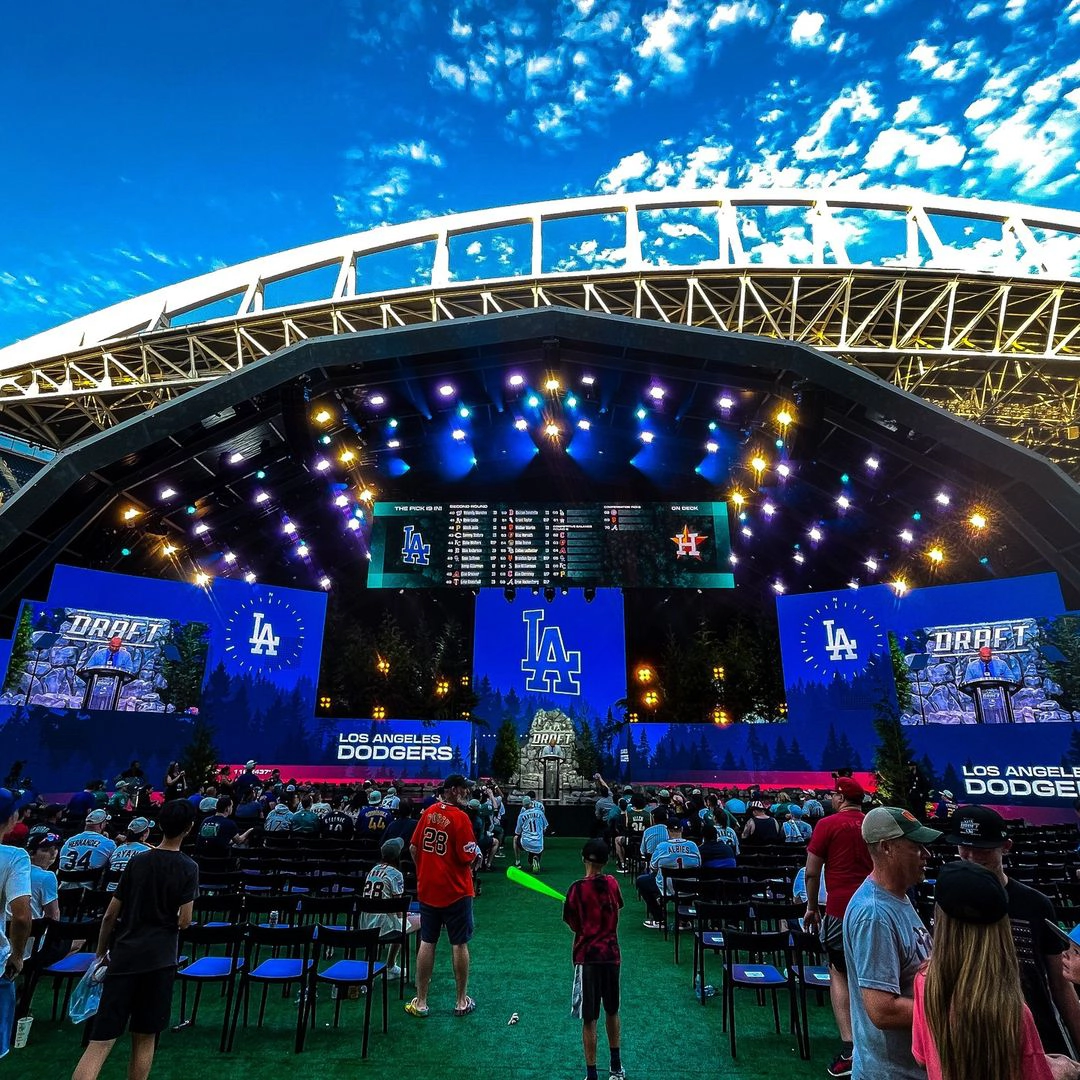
(445, 850)
(85, 851)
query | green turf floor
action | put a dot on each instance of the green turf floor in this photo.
(520, 963)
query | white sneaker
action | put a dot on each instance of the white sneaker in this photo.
(394, 972)
(617, 1074)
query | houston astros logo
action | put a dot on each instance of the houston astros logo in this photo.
(686, 543)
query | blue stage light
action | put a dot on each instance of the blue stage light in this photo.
(261, 474)
(571, 402)
(191, 509)
(534, 401)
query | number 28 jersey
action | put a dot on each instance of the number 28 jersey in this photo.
(445, 849)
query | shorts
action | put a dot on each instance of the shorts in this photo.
(599, 986)
(7, 1013)
(457, 918)
(832, 937)
(140, 1002)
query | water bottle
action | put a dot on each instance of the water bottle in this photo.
(274, 916)
(697, 986)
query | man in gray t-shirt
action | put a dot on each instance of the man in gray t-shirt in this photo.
(885, 944)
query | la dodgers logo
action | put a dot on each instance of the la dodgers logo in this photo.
(838, 645)
(548, 666)
(263, 640)
(413, 548)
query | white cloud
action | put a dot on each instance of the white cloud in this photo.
(925, 55)
(665, 32)
(978, 11)
(853, 105)
(928, 148)
(632, 167)
(980, 107)
(418, 151)
(806, 30)
(734, 14)
(622, 84)
(448, 72)
(907, 110)
(459, 29)
(1014, 10)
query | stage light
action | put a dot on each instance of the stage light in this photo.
(249, 577)
(131, 513)
(463, 412)
(378, 713)
(784, 418)
(392, 423)
(779, 444)
(799, 557)
(325, 440)
(646, 436)
(571, 402)
(899, 586)
(733, 559)
(458, 434)
(551, 386)
(584, 425)
(984, 561)
(768, 509)
(853, 584)
(713, 425)
(324, 583)
(814, 533)
(588, 380)
(534, 401)
(202, 579)
(650, 699)
(712, 447)
(125, 551)
(656, 393)
(288, 528)
(783, 470)
(446, 390)
(322, 465)
(169, 549)
(347, 456)
(167, 493)
(261, 497)
(758, 464)
(917, 516)
(323, 416)
(942, 498)
(644, 674)
(521, 424)
(354, 524)
(552, 431)
(342, 501)
(517, 380)
(367, 495)
(230, 557)
(907, 536)
(936, 555)
(442, 687)
(720, 716)
(779, 587)
(977, 520)
(376, 400)
(725, 402)
(871, 564)
(200, 529)
(747, 532)
(843, 502)
(236, 458)
(872, 464)
(393, 444)
(191, 510)
(738, 498)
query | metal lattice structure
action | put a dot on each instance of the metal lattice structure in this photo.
(975, 307)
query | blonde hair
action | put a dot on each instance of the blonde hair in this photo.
(972, 999)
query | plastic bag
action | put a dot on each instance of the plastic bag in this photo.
(86, 996)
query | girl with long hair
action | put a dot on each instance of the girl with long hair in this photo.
(970, 1020)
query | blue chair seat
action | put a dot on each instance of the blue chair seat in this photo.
(210, 967)
(757, 975)
(350, 971)
(816, 975)
(281, 969)
(75, 964)
(712, 939)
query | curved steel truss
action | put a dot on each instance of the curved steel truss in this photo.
(975, 306)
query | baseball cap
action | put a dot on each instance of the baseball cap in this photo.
(676, 823)
(757, 804)
(946, 794)
(596, 851)
(526, 803)
(977, 827)
(454, 780)
(696, 791)
(141, 824)
(893, 823)
(393, 848)
(794, 811)
(45, 839)
(374, 798)
(290, 787)
(96, 817)
(474, 804)
(391, 791)
(663, 793)
(251, 764)
(850, 788)
(970, 893)
(11, 801)
(208, 804)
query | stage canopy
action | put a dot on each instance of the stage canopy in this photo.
(832, 476)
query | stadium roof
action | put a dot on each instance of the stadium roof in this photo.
(877, 478)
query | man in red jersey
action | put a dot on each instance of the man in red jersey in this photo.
(444, 848)
(837, 846)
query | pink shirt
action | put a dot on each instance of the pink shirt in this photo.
(1033, 1064)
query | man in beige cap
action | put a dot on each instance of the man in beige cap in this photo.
(885, 943)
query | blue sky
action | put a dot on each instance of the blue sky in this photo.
(146, 143)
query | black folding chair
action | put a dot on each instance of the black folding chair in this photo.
(220, 970)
